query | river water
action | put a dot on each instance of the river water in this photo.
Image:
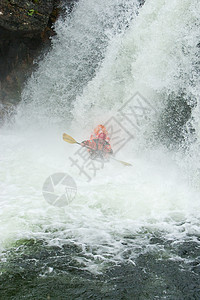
(130, 232)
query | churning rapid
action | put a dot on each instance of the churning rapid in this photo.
(135, 69)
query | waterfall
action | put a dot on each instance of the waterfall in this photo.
(136, 70)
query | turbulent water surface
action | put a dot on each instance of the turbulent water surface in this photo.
(130, 232)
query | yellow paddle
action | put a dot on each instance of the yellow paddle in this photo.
(67, 138)
(122, 162)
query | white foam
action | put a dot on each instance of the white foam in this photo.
(152, 195)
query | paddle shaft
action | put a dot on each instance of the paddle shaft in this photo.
(71, 140)
(122, 162)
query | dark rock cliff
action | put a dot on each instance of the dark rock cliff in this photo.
(25, 29)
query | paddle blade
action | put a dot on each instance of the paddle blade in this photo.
(67, 138)
(124, 163)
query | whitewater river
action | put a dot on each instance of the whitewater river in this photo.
(130, 232)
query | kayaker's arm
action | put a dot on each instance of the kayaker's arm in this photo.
(84, 143)
(108, 149)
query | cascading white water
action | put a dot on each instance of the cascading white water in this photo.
(77, 51)
(103, 54)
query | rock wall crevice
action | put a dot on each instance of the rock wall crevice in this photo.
(25, 31)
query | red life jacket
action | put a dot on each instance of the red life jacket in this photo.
(98, 147)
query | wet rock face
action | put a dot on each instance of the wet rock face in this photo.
(25, 16)
(16, 57)
(25, 28)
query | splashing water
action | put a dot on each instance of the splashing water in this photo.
(103, 54)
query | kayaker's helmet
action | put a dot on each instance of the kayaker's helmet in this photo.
(102, 136)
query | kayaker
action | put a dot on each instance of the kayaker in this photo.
(98, 146)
